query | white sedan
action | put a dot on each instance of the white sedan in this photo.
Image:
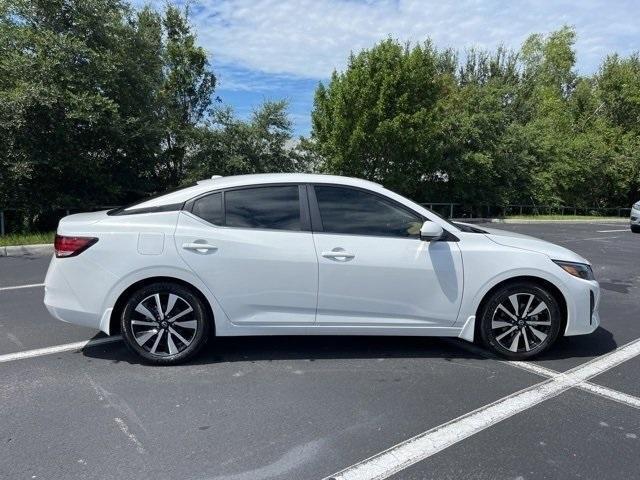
(297, 254)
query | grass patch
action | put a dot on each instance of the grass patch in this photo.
(562, 217)
(26, 238)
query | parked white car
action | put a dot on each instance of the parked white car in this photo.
(635, 217)
(297, 254)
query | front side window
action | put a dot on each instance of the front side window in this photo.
(348, 210)
(276, 207)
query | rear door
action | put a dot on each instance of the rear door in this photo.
(253, 247)
(374, 270)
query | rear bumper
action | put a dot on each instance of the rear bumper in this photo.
(81, 301)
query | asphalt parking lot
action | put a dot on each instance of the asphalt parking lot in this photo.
(326, 407)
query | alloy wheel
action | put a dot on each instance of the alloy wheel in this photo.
(521, 322)
(163, 324)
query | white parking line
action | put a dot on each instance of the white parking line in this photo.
(605, 392)
(611, 394)
(38, 352)
(608, 231)
(426, 444)
(17, 287)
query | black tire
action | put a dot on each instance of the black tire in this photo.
(635, 228)
(168, 342)
(500, 330)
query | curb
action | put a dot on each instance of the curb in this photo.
(575, 220)
(526, 221)
(25, 250)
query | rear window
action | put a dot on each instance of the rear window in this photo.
(276, 207)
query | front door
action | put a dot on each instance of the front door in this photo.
(373, 268)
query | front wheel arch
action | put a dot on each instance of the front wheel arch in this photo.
(546, 284)
(114, 321)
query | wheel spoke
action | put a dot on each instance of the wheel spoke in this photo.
(145, 336)
(170, 304)
(143, 322)
(514, 302)
(498, 324)
(537, 322)
(538, 333)
(539, 309)
(172, 346)
(526, 339)
(514, 343)
(145, 311)
(193, 324)
(159, 306)
(500, 337)
(180, 315)
(511, 315)
(155, 344)
(180, 337)
(526, 309)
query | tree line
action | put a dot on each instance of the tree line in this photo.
(102, 104)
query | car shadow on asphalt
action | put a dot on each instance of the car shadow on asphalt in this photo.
(267, 348)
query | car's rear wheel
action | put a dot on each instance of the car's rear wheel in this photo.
(164, 323)
(520, 321)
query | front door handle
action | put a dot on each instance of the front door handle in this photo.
(338, 254)
(199, 247)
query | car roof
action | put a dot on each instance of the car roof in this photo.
(219, 183)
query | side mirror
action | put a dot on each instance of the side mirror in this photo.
(431, 231)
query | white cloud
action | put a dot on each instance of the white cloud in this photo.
(309, 38)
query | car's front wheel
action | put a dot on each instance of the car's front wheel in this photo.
(164, 323)
(635, 228)
(520, 321)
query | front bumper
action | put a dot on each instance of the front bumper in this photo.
(583, 302)
(635, 217)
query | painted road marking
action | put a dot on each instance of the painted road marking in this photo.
(38, 352)
(608, 231)
(17, 287)
(605, 392)
(426, 444)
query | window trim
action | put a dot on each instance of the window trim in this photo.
(303, 206)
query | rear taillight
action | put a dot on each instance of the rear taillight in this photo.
(71, 246)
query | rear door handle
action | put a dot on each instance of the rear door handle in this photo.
(199, 247)
(338, 254)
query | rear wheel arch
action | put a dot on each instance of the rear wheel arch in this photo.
(114, 321)
(541, 282)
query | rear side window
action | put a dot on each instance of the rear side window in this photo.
(348, 210)
(276, 207)
(209, 208)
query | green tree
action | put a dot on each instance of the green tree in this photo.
(381, 119)
(227, 145)
(500, 127)
(186, 94)
(76, 80)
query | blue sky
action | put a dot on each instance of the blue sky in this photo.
(273, 49)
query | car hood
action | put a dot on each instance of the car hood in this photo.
(526, 242)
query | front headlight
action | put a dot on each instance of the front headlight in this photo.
(580, 270)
